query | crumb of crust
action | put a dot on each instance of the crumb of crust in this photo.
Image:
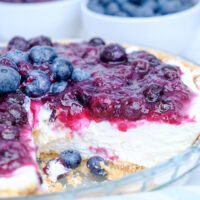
(30, 189)
(73, 180)
(119, 170)
(45, 157)
(54, 187)
(197, 81)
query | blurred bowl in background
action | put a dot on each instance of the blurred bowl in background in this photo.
(58, 19)
(171, 32)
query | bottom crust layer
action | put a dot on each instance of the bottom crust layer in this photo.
(115, 169)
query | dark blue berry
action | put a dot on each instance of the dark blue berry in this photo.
(95, 6)
(17, 56)
(138, 2)
(95, 167)
(71, 158)
(4, 61)
(18, 43)
(62, 69)
(37, 83)
(167, 7)
(112, 8)
(40, 41)
(80, 75)
(58, 87)
(9, 79)
(122, 14)
(42, 54)
(113, 53)
(96, 42)
(129, 8)
(152, 93)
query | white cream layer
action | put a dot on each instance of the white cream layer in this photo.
(147, 144)
(22, 179)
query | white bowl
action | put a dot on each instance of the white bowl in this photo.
(171, 32)
(57, 19)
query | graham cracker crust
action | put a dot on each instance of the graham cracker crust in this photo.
(10, 192)
(115, 170)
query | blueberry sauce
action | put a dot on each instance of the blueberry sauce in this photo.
(14, 134)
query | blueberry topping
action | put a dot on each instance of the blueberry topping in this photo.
(37, 83)
(152, 93)
(141, 66)
(58, 87)
(9, 79)
(71, 158)
(24, 68)
(18, 43)
(113, 53)
(40, 41)
(94, 164)
(8, 132)
(80, 75)
(5, 61)
(62, 69)
(42, 54)
(16, 56)
(96, 42)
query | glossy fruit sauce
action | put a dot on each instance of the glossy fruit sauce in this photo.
(122, 88)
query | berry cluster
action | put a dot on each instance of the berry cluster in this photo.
(139, 8)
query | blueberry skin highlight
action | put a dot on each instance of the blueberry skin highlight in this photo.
(71, 158)
(42, 54)
(37, 83)
(9, 79)
(62, 69)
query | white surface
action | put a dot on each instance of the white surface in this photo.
(171, 32)
(57, 19)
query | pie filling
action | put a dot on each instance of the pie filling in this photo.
(92, 97)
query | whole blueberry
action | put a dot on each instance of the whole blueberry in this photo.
(95, 167)
(17, 56)
(71, 158)
(113, 53)
(96, 42)
(40, 41)
(112, 8)
(42, 54)
(18, 43)
(5, 61)
(95, 6)
(62, 69)
(152, 93)
(167, 7)
(80, 75)
(9, 79)
(58, 87)
(129, 8)
(36, 83)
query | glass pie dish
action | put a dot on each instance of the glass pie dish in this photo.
(173, 171)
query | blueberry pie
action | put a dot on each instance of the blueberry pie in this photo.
(93, 104)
